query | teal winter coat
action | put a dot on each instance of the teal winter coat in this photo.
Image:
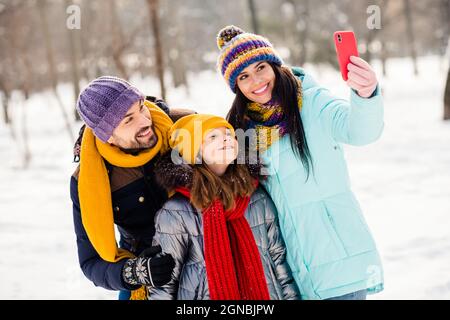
(329, 246)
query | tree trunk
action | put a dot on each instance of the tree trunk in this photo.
(74, 61)
(117, 45)
(51, 65)
(410, 34)
(25, 88)
(5, 103)
(177, 63)
(254, 16)
(305, 33)
(83, 56)
(86, 66)
(383, 57)
(382, 37)
(368, 40)
(447, 97)
(445, 16)
(178, 68)
(26, 143)
(153, 6)
(374, 34)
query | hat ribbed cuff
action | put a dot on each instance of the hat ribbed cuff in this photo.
(116, 112)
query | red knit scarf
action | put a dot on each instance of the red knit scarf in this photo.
(233, 263)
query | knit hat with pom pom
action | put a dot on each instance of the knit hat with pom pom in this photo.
(239, 49)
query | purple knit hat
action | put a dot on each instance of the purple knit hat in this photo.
(105, 102)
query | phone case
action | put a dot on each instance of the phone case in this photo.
(345, 43)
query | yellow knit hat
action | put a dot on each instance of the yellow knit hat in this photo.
(186, 135)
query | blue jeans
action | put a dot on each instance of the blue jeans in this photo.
(124, 295)
(358, 295)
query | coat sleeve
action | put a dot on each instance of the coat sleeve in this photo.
(277, 251)
(171, 235)
(102, 273)
(358, 122)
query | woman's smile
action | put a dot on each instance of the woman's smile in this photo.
(261, 90)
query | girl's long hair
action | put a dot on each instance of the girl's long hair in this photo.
(286, 90)
(207, 186)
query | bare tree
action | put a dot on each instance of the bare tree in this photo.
(51, 64)
(445, 16)
(447, 97)
(19, 63)
(175, 42)
(447, 88)
(7, 43)
(5, 100)
(382, 35)
(371, 34)
(153, 6)
(254, 16)
(22, 65)
(112, 41)
(117, 40)
(410, 34)
(88, 56)
(26, 143)
(389, 15)
(305, 33)
(296, 13)
(74, 62)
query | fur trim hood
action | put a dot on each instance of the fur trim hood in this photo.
(170, 175)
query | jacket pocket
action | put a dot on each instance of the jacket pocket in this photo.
(320, 240)
(133, 211)
(349, 225)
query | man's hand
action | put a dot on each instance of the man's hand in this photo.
(149, 269)
(361, 77)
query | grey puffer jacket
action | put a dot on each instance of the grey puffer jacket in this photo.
(179, 231)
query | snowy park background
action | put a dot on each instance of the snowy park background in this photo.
(402, 181)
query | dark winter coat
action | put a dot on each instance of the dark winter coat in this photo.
(136, 197)
(179, 231)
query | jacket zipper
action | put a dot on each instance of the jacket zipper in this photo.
(333, 226)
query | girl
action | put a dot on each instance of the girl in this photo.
(299, 130)
(220, 227)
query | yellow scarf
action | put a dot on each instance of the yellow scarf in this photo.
(94, 188)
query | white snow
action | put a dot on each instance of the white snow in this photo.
(402, 182)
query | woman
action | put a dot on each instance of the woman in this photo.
(299, 130)
(219, 226)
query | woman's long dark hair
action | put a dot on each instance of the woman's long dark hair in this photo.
(286, 89)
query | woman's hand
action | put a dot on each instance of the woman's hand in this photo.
(361, 77)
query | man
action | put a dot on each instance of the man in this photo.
(114, 185)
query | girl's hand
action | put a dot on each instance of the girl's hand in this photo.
(361, 77)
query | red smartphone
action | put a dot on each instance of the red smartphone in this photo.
(345, 43)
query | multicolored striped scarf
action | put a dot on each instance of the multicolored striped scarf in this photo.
(269, 121)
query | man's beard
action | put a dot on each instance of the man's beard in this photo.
(137, 146)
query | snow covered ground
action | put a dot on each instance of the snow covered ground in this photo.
(402, 182)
